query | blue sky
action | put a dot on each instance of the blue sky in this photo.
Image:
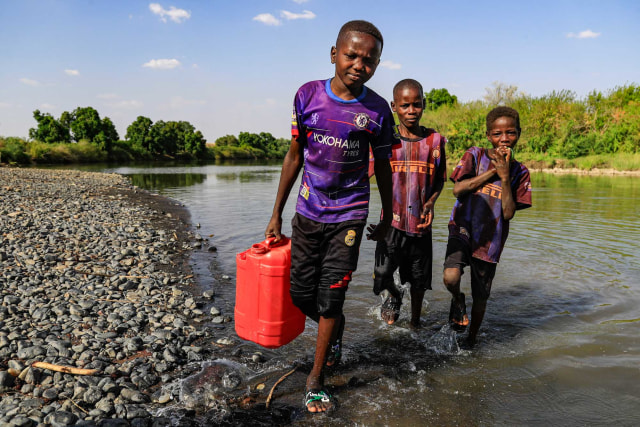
(234, 66)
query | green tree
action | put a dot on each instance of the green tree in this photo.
(227, 141)
(107, 136)
(436, 98)
(85, 124)
(139, 133)
(49, 129)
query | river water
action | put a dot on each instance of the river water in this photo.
(559, 344)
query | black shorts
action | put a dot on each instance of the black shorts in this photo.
(323, 256)
(413, 255)
(482, 272)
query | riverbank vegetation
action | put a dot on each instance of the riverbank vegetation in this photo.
(559, 130)
(83, 137)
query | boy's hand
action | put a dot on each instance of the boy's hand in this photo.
(377, 232)
(426, 216)
(273, 229)
(502, 162)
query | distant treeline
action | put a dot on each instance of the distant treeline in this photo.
(554, 126)
(557, 125)
(83, 137)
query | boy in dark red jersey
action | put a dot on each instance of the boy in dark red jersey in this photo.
(419, 171)
(334, 123)
(490, 185)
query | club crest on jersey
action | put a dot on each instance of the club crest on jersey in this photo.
(436, 153)
(361, 120)
(314, 118)
(350, 238)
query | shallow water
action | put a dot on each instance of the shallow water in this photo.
(559, 344)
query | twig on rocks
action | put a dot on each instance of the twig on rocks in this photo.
(64, 369)
(278, 382)
(78, 406)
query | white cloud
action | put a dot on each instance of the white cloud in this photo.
(46, 106)
(162, 64)
(72, 72)
(587, 34)
(267, 19)
(300, 1)
(178, 102)
(107, 96)
(127, 105)
(29, 82)
(307, 14)
(176, 15)
(390, 65)
(5, 105)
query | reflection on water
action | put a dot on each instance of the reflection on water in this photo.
(559, 344)
(160, 182)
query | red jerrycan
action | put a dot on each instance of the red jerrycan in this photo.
(264, 312)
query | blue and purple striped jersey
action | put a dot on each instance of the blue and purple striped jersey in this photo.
(336, 135)
(477, 217)
(417, 167)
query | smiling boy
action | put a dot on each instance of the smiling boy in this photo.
(334, 123)
(418, 173)
(490, 185)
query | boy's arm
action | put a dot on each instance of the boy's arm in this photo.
(382, 170)
(469, 185)
(503, 168)
(290, 169)
(427, 210)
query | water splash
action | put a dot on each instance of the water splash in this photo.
(444, 342)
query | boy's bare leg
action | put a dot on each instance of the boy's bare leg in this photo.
(394, 292)
(326, 327)
(417, 296)
(451, 278)
(477, 314)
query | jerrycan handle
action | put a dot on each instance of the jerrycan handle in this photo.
(264, 247)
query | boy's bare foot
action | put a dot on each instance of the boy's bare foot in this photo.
(458, 313)
(415, 324)
(390, 310)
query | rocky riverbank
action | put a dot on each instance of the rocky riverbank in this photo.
(94, 276)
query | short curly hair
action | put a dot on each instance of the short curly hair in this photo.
(407, 83)
(502, 111)
(360, 26)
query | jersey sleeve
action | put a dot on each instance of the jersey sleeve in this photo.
(466, 167)
(442, 170)
(297, 127)
(523, 192)
(381, 144)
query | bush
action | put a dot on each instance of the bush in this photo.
(12, 150)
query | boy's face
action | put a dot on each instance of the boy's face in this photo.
(503, 133)
(408, 104)
(356, 57)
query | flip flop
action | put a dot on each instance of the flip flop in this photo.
(334, 355)
(458, 318)
(390, 309)
(319, 395)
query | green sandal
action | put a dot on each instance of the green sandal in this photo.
(318, 395)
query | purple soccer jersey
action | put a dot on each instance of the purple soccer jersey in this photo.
(336, 136)
(417, 167)
(477, 217)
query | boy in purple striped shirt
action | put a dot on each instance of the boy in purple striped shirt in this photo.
(334, 124)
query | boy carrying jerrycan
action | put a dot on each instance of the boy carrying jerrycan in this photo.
(264, 312)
